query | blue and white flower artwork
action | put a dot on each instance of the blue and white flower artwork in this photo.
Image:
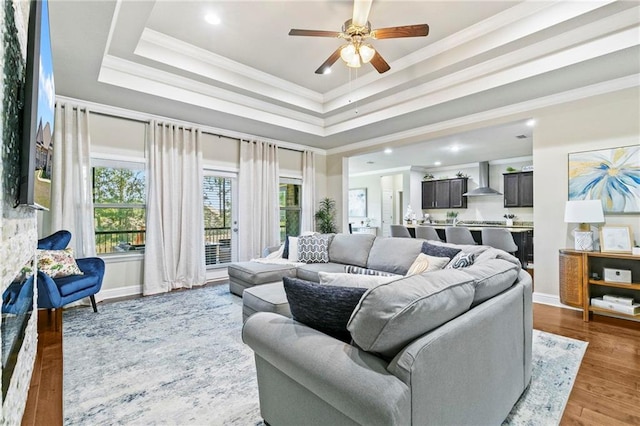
(611, 175)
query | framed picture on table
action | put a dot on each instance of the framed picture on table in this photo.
(615, 239)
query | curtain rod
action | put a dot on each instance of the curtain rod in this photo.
(144, 121)
(118, 112)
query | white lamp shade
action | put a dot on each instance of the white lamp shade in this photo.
(584, 211)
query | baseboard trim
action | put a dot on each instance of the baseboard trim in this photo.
(212, 277)
(550, 299)
(114, 293)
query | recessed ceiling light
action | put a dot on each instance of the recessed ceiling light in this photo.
(212, 19)
(388, 151)
(531, 122)
(455, 148)
(437, 163)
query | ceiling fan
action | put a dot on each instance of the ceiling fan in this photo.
(356, 31)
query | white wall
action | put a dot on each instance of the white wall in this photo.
(600, 122)
(375, 185)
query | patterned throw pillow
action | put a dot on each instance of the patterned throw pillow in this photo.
(439, 251)
(314, 248)
(426, 263)
(325, 308)
(58, 263)
(352, 269)
(462, 260)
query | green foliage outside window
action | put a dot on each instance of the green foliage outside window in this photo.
(290, 196)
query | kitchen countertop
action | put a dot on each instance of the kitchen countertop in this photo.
(478, 226)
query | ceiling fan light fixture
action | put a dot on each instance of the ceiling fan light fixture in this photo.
(367, 52)
(347, 52)
(354, 62)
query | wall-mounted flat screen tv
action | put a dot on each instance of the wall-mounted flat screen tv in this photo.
(39, 107)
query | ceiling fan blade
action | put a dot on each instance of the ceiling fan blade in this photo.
(420, 30)
(329, 62)
(379, 63)
(361, 10)
(314, 33)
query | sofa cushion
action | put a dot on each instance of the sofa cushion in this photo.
(351, 269)
(325, 308)
(391, 315)
(314, 248)
(310, 271)
(255, 273)
(492, 277)
(426, 263)
(354, 280)
(393, 255)
(351, 249)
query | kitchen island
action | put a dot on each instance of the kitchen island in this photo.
(522, 235)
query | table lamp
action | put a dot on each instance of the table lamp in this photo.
(584, 212)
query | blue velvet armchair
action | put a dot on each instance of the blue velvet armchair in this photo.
(56, 292)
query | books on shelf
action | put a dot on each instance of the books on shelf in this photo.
(633, 309)
(618, 299)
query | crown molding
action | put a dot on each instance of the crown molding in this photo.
(382, 172)
(146, 117)
(168, 50)
(142, 78)
(518, 108)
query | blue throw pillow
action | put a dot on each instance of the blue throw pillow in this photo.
(323, 307)
(439, 251)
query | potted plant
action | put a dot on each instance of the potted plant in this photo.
(451, 216)
(326, 216)
(509, 217)
(428, 176)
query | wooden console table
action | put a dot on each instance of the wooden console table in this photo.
(581, 277)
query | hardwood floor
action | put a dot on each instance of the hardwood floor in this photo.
(606, 390)
(44, 403)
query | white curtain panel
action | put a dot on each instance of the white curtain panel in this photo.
(259, 209)
(307, 222)
(71, 192)
(174, 250)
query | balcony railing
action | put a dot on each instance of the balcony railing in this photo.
(217, 244)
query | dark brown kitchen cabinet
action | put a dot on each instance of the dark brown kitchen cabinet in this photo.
(518, 189)
(444, 193)
(457, 187)
(428, 194)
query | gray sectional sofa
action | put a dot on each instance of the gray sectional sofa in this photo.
(447, 347)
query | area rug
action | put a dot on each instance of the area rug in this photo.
(179, 359)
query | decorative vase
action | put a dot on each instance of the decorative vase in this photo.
(509, 222)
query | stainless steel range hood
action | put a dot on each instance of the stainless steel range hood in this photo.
(483, 181)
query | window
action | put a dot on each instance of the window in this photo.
(119, 196)
(290, 210)
(217, 219)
